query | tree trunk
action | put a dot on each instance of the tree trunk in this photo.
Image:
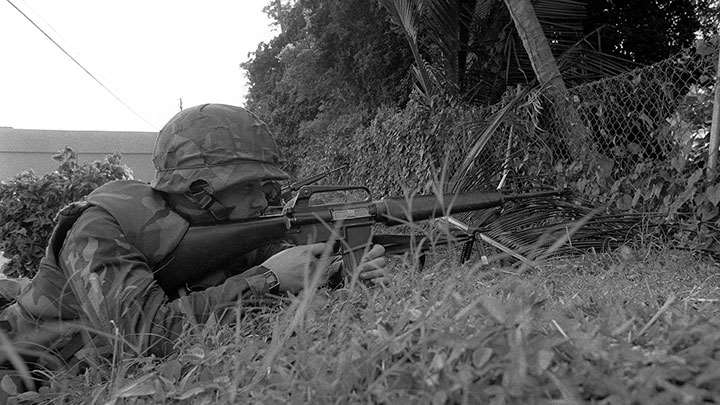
(536, 45)
(715, 128)
(546, 70)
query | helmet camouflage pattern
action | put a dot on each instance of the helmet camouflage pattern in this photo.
(221, 144)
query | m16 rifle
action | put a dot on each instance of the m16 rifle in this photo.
(205, 249)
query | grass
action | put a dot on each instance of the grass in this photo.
(632, 326)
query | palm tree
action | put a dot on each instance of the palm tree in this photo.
(536, 45)
(547, 72)
(468, 48)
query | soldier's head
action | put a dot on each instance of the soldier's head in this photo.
(215, 162)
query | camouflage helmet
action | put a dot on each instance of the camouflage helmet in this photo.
(221, 144)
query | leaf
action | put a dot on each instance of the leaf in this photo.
(438, 362)
(678, 163)
(634, 148)
(624, 203)
(189, 393)
(144, 385)
(695, 177)
(707, 212)
(713, 194)
(568, 392)
(170, 369)
(544, 359)
(194, 355)
(481, 356)
(414, 314)
(494, 308)
(709, 376)
(27, 396)
(8, 385)
(704, 48)
(636, 198)
(644, 117)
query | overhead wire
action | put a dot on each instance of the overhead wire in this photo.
(117, 98)
(37, 16)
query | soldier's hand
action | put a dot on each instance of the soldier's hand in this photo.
(372, 266)
(290, 265)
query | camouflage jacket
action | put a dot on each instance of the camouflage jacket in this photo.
(99, 270)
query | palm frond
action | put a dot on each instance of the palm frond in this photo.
(483, 8)
(448, 22)
(462, 175)
(581, 62)
(533, 227)
(578, 58)
(404, 14)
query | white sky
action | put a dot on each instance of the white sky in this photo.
(148, 52)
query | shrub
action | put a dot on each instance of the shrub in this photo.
(29, 203)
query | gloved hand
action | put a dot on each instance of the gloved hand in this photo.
(290, 264)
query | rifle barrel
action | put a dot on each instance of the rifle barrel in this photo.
(395, 211)
(537, 194)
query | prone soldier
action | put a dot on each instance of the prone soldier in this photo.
(212, 163)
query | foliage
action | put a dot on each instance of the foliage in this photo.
(471, 49)
(680, 198)
(575, 331)
(403, 150)
(335, 67)
(646, 31)
(29, 203)
(333, 60)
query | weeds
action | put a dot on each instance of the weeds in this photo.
(634, 326)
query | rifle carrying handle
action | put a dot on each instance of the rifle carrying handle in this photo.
(306, 192)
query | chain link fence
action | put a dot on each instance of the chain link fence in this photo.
(655, 113)
(651, 114)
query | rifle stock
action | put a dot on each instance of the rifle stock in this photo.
(209, 248)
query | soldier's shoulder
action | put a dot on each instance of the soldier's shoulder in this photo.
(143, 214)
(122, 189)
(126, 195)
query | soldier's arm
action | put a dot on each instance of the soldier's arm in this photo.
(115, 288)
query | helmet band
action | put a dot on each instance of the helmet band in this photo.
(201, 194)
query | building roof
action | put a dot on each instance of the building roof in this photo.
(44, 140)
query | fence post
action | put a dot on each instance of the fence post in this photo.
(715, 126)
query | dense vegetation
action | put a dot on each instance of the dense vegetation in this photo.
(29, 203)
(337, 66)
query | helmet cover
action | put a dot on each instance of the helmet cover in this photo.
(221, 144)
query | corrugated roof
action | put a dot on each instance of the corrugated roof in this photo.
(45, 140)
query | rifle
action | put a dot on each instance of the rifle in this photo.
(206, 248)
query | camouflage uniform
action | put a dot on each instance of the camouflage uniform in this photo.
(98, 267)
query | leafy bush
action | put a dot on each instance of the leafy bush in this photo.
(398, 149)
(29, 203)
